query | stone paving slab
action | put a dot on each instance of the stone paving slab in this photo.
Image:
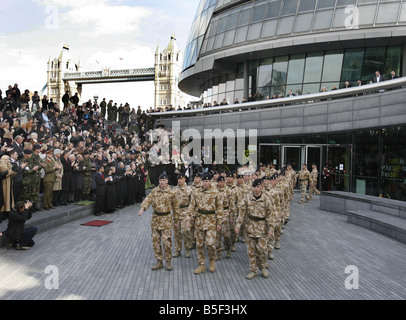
(114, 263)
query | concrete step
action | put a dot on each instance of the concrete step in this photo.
(386, 224)
(47, 219)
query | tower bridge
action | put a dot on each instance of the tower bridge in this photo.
(65, 74)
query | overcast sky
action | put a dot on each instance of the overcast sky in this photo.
(118, 34)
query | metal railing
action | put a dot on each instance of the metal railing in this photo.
(109, 74)
(374, 88)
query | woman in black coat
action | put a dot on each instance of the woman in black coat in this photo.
(139, 184)
(100, 190)
(111, 193)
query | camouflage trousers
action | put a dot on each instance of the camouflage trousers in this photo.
(182, 234)
(313, 189)
(224, 233)
(276, 236)
(303, 192)
(30, 191)
(162, 238)
(205, 239)
(87, 185)
(257, 252)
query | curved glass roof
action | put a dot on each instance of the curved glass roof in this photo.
(220, 24)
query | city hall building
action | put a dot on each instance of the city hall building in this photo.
(300, 63)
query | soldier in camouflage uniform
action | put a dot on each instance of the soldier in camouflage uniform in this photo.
(87, 177)
(183, 193)
(29, 171)
(304, 178)
(313, 181)
(163, 200)
(206, 209)
(260, 223)
(235, 195)
(196, 185)
(229, 208)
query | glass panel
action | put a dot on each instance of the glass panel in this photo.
(264, 75)
(374, 60)
(387, 13)
(332, 66)
(289, 7)
(218, 42)
(326, 4)
(402, 17)
(303, 22)
(296, 69)
(393, 61)
(270, 154)
(345, 2)
(245, 17)
(273, 9)
(241, 34)
(366, 14)
(393, 166)
(311, 88)
(352, 65)
(210, 43)
(306, 5)
(296, 89)
(222, 24)
(254, 31)
(280, 68)
(285, 25)
(340, 18)
(233, 22)
(229, 38)
(339, 158)
(258, 14)
(314, 65)
(269, 29)
(322, 20)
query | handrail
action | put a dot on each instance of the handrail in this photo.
(309, 98)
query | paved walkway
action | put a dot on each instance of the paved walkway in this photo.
(114, 262)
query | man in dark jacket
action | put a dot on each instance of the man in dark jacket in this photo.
(100, 191)
(20, 237)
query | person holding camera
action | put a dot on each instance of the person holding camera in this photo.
(19, 236)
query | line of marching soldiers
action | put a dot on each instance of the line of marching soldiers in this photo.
(215, 212)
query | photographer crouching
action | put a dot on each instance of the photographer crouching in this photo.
(20, 237)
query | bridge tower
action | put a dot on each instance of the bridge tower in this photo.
(168, 67)
(56, 86)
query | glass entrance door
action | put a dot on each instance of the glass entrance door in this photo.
(339, 161)
(294, 155)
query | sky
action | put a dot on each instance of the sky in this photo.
(119, 34)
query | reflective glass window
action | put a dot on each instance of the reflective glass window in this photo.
(213, 28)
(269, 28)
(374, 60)
(233, 22)
(303, 22)
(313, 67)
(241, 34)
(322, 20)
(245, 17)
(341, 17)
(280, 69)
(259, 12)
(402, 17)
(306, 5)
(296, 89)
(352, 65)
(366, 14)
(345, 2)
(285, 25)
(393, 61)
(273, 9)
(332, 66)
(388, 12)
(326, 4)
(229, 38)
(309, 88)
(254, 31)
(222, 24)
(296, 69)
(289, 7)
(265, 73)
(210, 43)
(218, 41)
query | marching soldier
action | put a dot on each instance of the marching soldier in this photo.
(304, 177)
(196, 185)
(183, 193)
(314, 175)
(206, 209)
(243, 189)
(260, 223)
(229, 208)
(163, 200)
(235, 196)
